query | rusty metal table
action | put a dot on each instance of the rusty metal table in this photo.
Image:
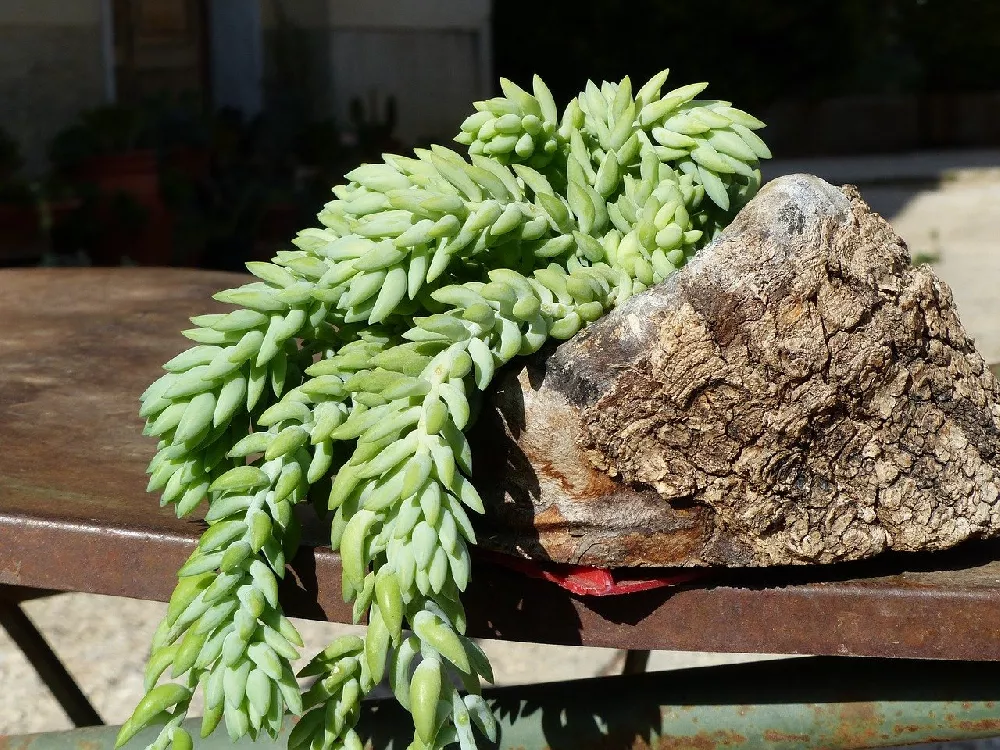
(77, 347)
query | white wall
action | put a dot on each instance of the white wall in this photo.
(411, 14)
(433, 56)
(434, 76)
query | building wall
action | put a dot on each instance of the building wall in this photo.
(432, 56)
(236, 54)
(413, 14)
(296, 50)
(433, 75)
(51, 68)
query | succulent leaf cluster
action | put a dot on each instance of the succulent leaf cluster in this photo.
(351, 368)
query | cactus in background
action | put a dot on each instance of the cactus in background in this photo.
(352, 367)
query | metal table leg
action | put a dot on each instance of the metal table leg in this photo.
(44, 660)
(636, 662)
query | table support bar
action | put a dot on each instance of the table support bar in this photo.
(45, 661)
(827, 702)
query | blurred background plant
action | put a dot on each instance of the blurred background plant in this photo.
(214, 129)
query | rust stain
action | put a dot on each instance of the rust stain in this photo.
(982, 725)
(857, 722)
(702, 741)
(905, 728)
(772, 735)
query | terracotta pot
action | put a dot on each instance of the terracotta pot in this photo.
(135, 175)
(63, 207)
(20, 233)
(190, 161)
(134, 172)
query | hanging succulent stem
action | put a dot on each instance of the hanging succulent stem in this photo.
(359, 358)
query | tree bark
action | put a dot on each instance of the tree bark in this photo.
(799, 393)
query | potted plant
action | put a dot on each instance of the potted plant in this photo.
(20, 236)
(29, 209)
(112, 149)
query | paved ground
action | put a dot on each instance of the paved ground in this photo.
(946, 205)
(960, 223)
(104, 644)
(943, 204)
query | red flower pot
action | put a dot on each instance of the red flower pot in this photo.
(21, 237)
(134, 175)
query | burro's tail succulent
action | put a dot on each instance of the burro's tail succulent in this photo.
(350, 369)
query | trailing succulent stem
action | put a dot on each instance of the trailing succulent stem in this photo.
(351, 368)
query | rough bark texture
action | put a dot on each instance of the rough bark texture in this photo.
(797, 394)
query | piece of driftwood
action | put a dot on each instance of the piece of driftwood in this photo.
(799, 393)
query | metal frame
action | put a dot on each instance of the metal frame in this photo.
(59, 505)
(42, 658)
(835, 703)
